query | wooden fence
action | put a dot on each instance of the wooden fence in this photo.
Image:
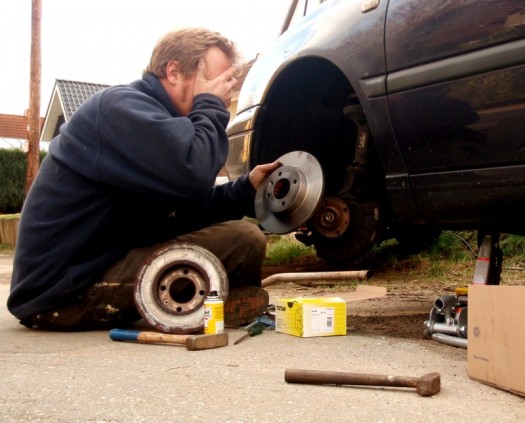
(9, 229)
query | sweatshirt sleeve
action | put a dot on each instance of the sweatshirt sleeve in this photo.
(229, 201)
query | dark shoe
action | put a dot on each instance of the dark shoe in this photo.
(244, 305)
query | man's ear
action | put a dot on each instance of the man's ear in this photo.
(173, 74)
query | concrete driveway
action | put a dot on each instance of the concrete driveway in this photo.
(86, 377)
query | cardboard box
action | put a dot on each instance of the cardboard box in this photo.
(363, 292)
(308, 317)
(496, 336)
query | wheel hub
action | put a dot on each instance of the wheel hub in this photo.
(332, 218)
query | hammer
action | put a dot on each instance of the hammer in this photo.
(426, 385)
(192, 342)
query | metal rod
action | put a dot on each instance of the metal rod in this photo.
(450, 340)
(444, 328)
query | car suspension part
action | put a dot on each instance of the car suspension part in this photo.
(332, 218)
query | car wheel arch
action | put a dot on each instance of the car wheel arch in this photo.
(304, 109)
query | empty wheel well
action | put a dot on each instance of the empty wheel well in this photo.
(303, 111)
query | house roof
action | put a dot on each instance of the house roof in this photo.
(14, 132)
(66, 98)
(74, 93)
(12, 126)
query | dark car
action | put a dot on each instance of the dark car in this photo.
(415, 110)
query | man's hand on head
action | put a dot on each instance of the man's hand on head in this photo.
(221, 86)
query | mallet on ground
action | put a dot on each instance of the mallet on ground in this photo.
(426, 385)
(192, 342)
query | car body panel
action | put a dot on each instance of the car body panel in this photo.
(442, 86)
(452, 107)
(308, 40)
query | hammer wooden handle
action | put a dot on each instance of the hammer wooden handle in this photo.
(427, 385)
(146, 337)
(192, 342)
(321, 377)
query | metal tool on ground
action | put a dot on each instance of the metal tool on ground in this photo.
(252, 329)
(448, 321)
(192, 342)
(267, 320)
(426, 385)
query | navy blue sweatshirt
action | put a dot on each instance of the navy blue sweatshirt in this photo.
(126, 171)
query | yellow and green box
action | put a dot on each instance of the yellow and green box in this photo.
(309, 317)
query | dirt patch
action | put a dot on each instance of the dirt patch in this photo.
(401, 313)
(411, 293)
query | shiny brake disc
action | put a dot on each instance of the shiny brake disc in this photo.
(290, 195)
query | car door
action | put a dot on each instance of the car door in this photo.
(456, 95)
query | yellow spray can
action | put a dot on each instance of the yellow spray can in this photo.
(213, 314)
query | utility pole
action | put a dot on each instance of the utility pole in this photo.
(33, 118)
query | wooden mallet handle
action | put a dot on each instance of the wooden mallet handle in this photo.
(426, 385)
(192, 342)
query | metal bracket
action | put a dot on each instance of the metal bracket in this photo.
(361, 155)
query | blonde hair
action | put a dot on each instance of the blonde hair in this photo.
(187, 46)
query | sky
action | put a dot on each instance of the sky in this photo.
(110, 41)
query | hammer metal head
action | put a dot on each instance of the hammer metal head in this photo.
(205, 342)
(429, 384)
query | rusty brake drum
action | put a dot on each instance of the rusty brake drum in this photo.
(172, 285)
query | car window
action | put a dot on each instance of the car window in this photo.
(446, 29)
(304, 8)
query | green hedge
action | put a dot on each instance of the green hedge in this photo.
(13, 175)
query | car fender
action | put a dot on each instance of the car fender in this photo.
(358, 60)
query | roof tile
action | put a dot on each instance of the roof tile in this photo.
(74, 93)
(12, 126)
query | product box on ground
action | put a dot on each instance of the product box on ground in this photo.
(496, 336)
(308, 317)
